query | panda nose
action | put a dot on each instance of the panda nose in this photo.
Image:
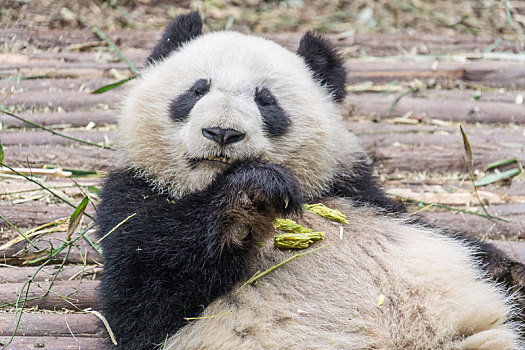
(223, 136)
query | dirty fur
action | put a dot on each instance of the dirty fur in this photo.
(436, 297)
(204, 213)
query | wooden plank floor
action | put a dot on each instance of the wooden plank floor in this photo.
(47, 76)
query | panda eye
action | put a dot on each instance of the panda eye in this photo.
(181, 106)
(201, 87)
(274, 118)
(264, 97)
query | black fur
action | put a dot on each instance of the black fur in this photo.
(359, 185)
(181, 107)
(173, 258)
(182, 29)
(275, 120)
(327, 65)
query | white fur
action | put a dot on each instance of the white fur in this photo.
(236, 64)
(435, 297)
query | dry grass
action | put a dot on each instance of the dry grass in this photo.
(379, 16)
(498, 18)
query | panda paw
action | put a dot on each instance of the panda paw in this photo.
(265, 186)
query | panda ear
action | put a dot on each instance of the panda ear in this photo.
(182, 29)
(320, 55)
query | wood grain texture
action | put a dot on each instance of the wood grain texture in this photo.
(55, 343)
(57, 325)
(420, 154)
(71, 295)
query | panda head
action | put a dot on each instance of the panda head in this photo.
(205, 101)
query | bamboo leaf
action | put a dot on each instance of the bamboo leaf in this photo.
(487, 180)
(114, 85)
(115, 49)
(94, 189)
(75, 218)
(492, 46)
(328, 213)
(296, 240)
(502, 162)
(466, 144)
(290, 226)
(508, 14)
(229, 23)
(79, 172)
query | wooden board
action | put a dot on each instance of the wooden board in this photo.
(413, 137)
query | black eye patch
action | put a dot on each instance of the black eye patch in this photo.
(181, 107)
(274, 118)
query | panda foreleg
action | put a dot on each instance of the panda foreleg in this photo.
(172, 259)
(249, 196)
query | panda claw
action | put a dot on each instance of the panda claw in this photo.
(286, 201)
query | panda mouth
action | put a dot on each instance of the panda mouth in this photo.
(220, 158)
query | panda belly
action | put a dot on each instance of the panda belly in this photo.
(435, 298)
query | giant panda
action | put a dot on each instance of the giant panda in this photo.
(225, 132)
